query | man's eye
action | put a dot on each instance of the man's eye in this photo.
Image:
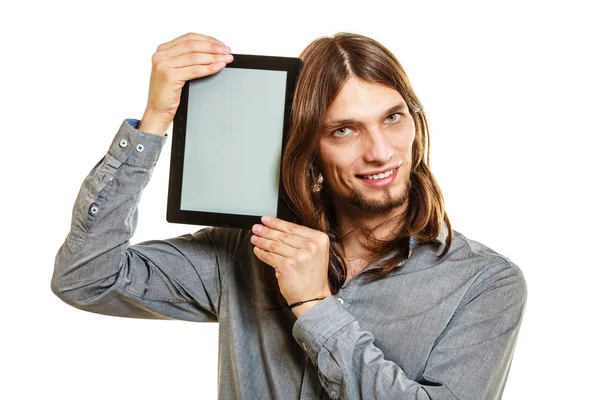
(341, 132)
(393, 118)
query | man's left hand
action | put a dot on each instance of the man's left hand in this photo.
(300, 257)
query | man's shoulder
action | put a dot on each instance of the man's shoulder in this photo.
(222, 234)
(481, 260)
(468, 247)
(212, 241)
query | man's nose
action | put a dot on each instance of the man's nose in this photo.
(378, 147)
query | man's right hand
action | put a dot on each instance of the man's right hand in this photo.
(185, 58)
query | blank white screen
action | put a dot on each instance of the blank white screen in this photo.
(233, 142)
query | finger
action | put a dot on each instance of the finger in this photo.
(275, 235)
(188, 36)
(274, 260)
(288, 227)
(197, 71)
(190, 59)
(273, 246)
(194, 46)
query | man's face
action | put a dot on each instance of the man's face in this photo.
(365, 148)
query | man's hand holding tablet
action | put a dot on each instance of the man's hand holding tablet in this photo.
(187, 57)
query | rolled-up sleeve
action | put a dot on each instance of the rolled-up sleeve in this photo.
(97, 270)
(470, 359)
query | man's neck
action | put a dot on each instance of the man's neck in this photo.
(355, 225)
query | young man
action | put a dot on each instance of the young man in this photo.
(369, 295)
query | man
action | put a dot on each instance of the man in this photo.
(369, 295)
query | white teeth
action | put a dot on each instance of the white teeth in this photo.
(380, 176)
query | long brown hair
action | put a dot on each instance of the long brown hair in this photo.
(328, 63)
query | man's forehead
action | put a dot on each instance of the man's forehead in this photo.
(358, 98)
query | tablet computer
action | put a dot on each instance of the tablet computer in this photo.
(229, 133)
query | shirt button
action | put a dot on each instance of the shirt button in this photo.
(123, 143)
(140, 148)
(94, 209)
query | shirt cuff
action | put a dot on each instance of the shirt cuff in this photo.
(134, 147)
(319, 323)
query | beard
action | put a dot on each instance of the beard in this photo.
(387, 203)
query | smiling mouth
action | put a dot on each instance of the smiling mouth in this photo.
(382, 175)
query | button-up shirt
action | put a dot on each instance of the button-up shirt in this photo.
(435, 327)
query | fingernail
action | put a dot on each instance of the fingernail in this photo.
(228, 57)
(253, 239)
(226, 49)
(266, 219)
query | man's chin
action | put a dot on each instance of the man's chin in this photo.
(386, 203)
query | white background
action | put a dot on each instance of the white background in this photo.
(511, 91)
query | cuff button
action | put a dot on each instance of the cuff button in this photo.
(140, 148)
(123, 143)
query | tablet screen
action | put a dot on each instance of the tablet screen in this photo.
(228, 138)
(240, 111)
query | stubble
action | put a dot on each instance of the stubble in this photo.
(386, 203)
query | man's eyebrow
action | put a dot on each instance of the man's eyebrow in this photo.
(398, 107)
(350, 121)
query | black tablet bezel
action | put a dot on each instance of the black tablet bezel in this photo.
(174, 212)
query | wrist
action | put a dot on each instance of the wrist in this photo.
(301, 307)
(153, 123)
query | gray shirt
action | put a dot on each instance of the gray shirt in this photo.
(433, 328)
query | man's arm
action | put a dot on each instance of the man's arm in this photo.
(470, 359)
(96, 269)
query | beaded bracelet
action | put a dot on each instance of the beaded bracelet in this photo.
(305, 301)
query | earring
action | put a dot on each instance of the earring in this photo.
(318, 185)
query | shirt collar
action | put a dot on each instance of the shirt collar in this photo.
(440, 238)
(443, 235)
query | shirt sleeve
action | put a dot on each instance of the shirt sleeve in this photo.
(470, 359)
(97, 270)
